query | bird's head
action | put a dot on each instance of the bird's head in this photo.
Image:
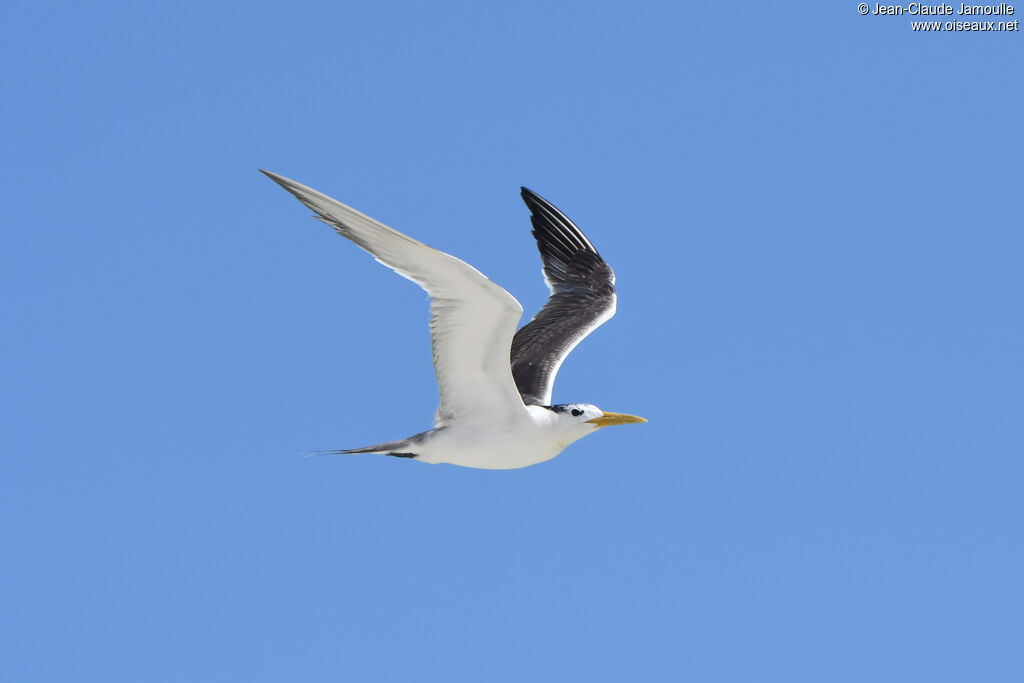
(583, 418)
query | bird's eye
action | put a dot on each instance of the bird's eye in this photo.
(576, 412)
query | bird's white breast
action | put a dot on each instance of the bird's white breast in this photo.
(498, 445)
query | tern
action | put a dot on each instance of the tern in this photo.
(495, 383)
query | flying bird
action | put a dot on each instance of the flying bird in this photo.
(495, 382)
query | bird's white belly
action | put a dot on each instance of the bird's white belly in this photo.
(488, 447)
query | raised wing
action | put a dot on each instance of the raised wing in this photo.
(582, 297)
(473, 319)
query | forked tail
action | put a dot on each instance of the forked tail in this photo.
(403, 448)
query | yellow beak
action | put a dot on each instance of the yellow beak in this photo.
(609, 419)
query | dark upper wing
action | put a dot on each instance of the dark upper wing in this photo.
(582, 297)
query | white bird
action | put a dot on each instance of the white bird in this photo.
(495, 382)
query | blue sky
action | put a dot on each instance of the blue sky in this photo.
(814, 217)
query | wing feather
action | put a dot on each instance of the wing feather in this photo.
(582, 298)
(472, 319)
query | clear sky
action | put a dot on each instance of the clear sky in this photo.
(815, 220)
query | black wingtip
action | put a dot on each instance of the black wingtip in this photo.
(531, 198)
(556, 234)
